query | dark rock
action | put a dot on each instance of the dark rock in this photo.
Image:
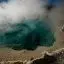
(46, 60)
(18, 63)
(56, 57)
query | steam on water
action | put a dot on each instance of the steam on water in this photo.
(22, 26)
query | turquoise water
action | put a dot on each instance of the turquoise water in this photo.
(28, 35)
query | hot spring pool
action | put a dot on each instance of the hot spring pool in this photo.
(28, 35)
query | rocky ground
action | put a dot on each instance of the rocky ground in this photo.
(55, 57)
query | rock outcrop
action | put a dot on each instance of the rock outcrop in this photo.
(56, 57)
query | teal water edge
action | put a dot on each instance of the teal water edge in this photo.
(28, 35)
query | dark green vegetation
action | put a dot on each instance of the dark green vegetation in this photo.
(28, 35)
